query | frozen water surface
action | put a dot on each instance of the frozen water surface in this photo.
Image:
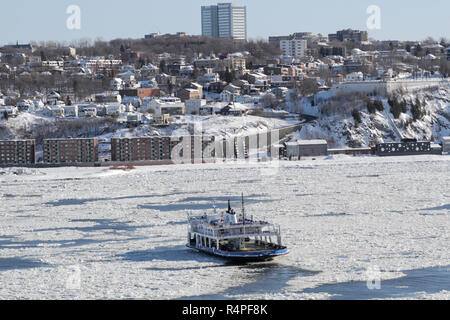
(95, 233)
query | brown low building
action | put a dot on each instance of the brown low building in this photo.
(140, 92)
(306, 148)
(141, 149)
(17, 152)
(63, 151)
(189, 94)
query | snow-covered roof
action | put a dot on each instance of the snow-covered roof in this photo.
(150, 67)
(306, 142)
(430, 57)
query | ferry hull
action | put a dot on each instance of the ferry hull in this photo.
(244, 256)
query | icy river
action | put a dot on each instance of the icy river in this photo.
(356, 227)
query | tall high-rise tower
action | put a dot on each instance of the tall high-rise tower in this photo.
(225, 20)
(210, 23)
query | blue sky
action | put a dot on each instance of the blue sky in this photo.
(26, 20)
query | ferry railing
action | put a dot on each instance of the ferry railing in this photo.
(237, 231)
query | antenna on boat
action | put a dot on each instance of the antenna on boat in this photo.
(243, 208)
(243, 215)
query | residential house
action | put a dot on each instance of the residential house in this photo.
(233, 89)
(148, 84)
(22, 47)
(128, 77)
(108, 97)
(114, 109)
(117, 84)
(227, 96)
(208, 77)
(71, 111)
(165, 105)
(206, 110)
(434, 49)
(11, 111)
(135, 101)
(244, 86)
(186, 71)
(188, 94)
(149, 70)
(355, 76)
(193, 106)
(27, 105)
(216, 86)
(234, 109)
(197, 86)
(351, 65)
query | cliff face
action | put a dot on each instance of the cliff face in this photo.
(337, 125)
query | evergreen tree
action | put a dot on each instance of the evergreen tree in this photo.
(391, 46)
(170, 86)
(162, 66)
(418, 103)
(395, 108)
(357, 116)
(403, 106)
(417, 110)
(379, 105)
(371, 107)
(229, 77)
(419, 50)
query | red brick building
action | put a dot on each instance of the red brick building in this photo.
(160, 148)
(70, 151)
(17, 152)
(140, 92)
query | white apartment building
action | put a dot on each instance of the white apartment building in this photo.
(355, 76)
(165, 105)
(225, 20)
(294, 48)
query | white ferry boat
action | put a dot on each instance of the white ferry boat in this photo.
(233, 236)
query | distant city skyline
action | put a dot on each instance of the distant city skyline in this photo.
(46, 20)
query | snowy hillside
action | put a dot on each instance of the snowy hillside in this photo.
(337, 125)
(30, 125)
